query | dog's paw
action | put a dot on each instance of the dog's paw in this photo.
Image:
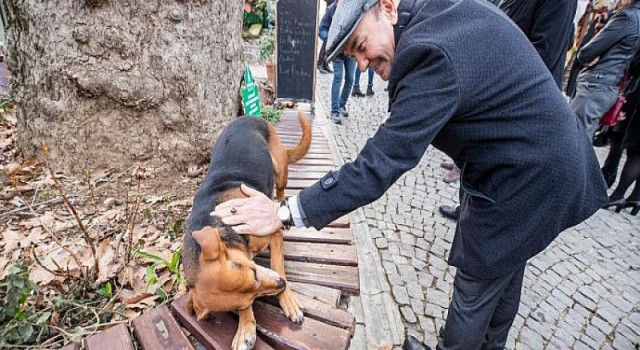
(291, 306)
(245, 338)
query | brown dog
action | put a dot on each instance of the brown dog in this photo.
(218, 265)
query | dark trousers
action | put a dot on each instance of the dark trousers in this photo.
(482, 311)
(322, 55)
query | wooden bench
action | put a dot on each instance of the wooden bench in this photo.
(321, 266)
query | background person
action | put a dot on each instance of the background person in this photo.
(605, 59)
(342, 66)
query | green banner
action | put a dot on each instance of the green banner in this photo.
(250, 94)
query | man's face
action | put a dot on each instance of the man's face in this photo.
(372, 43)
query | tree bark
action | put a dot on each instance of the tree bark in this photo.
(106, 83)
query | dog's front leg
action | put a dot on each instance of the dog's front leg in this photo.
(245, 337)
(288, 301)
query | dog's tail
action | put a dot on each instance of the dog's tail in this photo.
(296, 153)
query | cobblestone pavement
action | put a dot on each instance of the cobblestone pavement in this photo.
(582, 292)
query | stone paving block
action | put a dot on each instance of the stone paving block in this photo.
(415, 290)
(408, 314)
(434, 296)
(531, 338)
(400, 295)
(602, 325)
(595, 334)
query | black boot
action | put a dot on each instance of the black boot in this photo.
(411, 343)
(370, 91)
(327, 68)
(356, 92)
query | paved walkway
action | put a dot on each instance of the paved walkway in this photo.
(583, 292)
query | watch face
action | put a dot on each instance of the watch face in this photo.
(283, 213)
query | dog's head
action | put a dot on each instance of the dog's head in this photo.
(227, 278)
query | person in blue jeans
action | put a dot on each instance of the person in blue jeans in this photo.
(342, 65)
(356, 85)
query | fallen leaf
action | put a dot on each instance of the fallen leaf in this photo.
(3, 264)
(40, 276)
(107, 262)
(127, 296)
(11, 240)
(153, 199)
(180, 203)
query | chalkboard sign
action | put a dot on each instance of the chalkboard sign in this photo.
(296, 38)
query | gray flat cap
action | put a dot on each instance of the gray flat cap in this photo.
(348, 14)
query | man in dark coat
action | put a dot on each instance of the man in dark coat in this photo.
(549, 26)
(528, 171)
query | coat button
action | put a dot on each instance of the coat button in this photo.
(328, 181)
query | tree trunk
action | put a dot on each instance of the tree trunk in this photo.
(105, 83)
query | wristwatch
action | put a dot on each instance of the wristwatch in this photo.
(284, 214)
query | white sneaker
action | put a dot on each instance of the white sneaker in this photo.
(343, 112)
(335, 117)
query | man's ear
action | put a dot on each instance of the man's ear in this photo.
(390, 8)
(211, 246)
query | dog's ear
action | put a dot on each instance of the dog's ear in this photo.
(211, 247)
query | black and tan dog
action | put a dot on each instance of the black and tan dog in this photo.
(218, 265)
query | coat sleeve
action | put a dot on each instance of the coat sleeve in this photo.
(325, 22)
(425, 98)
(611, 34)
(546, 34)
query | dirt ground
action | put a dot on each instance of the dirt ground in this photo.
(122, 260)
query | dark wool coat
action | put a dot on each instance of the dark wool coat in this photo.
(528, 172)
(549, 26)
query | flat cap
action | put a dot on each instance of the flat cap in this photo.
(347, 16)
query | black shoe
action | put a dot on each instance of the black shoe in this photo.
(449, 212)
(411, 343)
(322, 70)
(326, 67)
(370, 91)
(635, 205)
(619, 204)
(356, 92)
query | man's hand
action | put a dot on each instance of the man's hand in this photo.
(255, 215)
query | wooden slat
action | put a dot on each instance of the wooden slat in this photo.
(156, 329)
(116, 337)
(315, 168)
(216, 332)
(71, 346)
(344, 278)
(320, 311)
(329, 296)
(327, 162)
(301, 184)
(326, 235)
(284, 334)
(305, 175)
(319, 253)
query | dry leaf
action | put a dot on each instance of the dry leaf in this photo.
(180, 203)
(40, 276)
(153, 199)
(127, 296)
(11, 240)
(3, 267)
(107, 261)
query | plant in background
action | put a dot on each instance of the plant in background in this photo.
(271, 114)
(172, 265)
(267, 47)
